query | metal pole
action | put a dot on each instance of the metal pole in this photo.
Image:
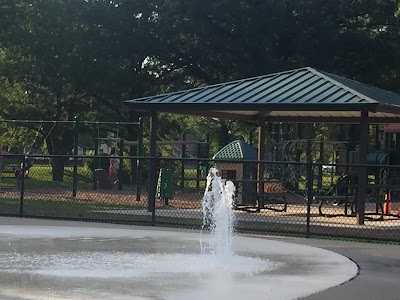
(22, 191)
(183, 149)
(95, 162)
(321, 159)
(153, 166)
(198, 166)
(138, 162)
(309, 186)
(68, 122)
(121, 164)
(75, 170)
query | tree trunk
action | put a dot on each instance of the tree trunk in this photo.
(57, 164)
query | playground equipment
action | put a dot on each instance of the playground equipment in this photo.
(164, 185)
(27, 137)
(192, 154)
(287, 142)
(237, 162)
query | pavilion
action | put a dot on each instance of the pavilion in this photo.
(303, 95)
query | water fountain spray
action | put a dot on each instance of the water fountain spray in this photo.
(218, 215)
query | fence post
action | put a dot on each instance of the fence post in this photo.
(183, 149)
(121, 164)
(309, 186)
(138, 162)
(198, 166)
(321, 159)
(75, 170)
(95, 162)
(22, 191)
(153, 167)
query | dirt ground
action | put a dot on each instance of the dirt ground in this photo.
(184, 200)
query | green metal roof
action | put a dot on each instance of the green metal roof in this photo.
(373, 94)
(304, 92)
(237, 150)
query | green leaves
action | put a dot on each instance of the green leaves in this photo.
(61, 58)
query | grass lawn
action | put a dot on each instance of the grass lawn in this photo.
(50, 208)
(42, 176)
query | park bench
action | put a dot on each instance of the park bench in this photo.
(14, 171)
(272, 201)
(272, 198)
(10, 169)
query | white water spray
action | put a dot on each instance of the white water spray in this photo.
(218, 216)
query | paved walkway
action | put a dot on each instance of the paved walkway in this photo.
(379, 264)
(379, 270)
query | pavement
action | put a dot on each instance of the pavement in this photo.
(379, 264)
(379, 270)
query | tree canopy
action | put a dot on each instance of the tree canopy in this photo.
(60, 59)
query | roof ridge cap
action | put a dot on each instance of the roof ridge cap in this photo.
(326, 77)
(241, 148)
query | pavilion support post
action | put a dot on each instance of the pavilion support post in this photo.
(362, 171)
(261, 155)
(153, 165)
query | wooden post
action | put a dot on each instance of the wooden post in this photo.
(362, 171)
(298, 151)
(261, 155)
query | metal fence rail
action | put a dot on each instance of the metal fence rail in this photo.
(292, 199)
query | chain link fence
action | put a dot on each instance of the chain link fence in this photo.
(302, 199)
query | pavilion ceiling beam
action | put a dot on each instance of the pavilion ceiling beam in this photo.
(254, 116)
(388, 109)
(348, 120)
(261, 116)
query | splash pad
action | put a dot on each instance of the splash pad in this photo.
(64, 262)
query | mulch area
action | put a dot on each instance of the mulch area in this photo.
(127, 197)
(191, 199)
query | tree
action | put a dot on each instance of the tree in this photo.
(7, 12)
(216, 41)
(62, 59)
